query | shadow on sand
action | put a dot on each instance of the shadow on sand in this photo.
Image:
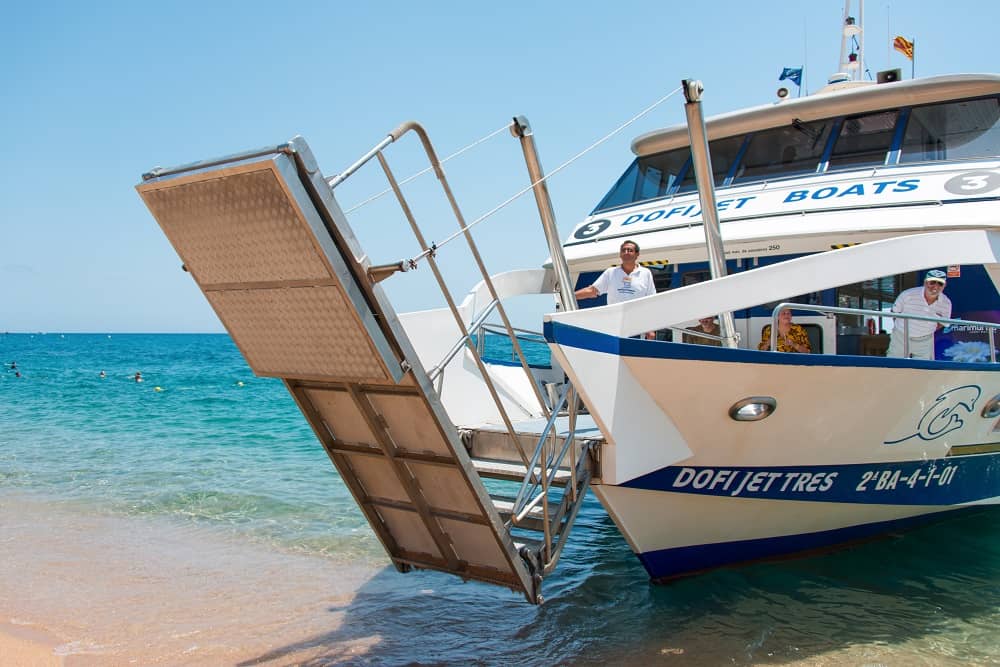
(894, 598)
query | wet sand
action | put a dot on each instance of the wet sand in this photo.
(78, 589)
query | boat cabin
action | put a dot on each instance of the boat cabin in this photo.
(812, 175)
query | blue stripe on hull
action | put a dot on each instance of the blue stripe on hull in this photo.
(949, 481)
(667, 564)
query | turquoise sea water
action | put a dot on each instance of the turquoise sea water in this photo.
(201, 440)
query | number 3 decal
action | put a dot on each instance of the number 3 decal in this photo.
(973, 183)
(591, 229)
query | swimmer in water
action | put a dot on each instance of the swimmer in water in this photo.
(138, 376)
(103, 375)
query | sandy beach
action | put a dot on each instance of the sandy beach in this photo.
(79, 590)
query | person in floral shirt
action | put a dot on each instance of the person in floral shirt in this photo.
(791, 337)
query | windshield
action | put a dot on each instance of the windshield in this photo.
(957, 130)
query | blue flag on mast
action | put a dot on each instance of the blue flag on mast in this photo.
(794, 74)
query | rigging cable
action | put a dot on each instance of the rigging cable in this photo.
(430, 251)
(424, 171)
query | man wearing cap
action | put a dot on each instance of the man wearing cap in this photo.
(928, 301)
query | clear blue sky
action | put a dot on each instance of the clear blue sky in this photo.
(94, 94)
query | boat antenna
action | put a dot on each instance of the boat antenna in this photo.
(852, 44)
(888, 34)
(805, 54)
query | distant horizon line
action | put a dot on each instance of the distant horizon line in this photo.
(114, 333)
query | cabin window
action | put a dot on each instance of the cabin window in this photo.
(947, 131)
(663, 276)
(953, 131)
(784, 151)
(878, 294)
(648, 177)
(723, 153)
(864, 139)
(695, 277)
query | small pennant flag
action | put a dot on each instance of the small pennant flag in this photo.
(904, 46)
(794, 74)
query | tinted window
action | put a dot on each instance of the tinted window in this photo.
(694, 277)
(947, 131)
(723, 152)
(953, 131)
(784, 151)
(864, 139)
(648, 177)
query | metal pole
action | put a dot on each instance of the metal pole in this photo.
(336, 180)
(702, 163)
(861, 40)
(522, 130)
(843, 38)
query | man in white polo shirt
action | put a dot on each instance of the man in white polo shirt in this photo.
(929, 301)
(624, 282)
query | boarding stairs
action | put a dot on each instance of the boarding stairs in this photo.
(264, 238)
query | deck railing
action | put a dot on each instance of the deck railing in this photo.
(990, 327)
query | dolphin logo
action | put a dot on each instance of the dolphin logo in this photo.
(945, 415)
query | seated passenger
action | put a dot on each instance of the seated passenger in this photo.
(706, 325)
(791, 337)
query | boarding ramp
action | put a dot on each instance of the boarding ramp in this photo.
(263, 237)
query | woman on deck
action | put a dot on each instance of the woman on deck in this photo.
(791, 337)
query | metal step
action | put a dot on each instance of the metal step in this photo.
(265, 241)
(492, 442)
(514, 472)
(534, 519)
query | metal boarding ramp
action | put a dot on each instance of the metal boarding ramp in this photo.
(263, 237)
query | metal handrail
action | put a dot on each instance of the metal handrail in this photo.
(473, 249)
(991, 327)
(438, 370)
(551, 462)
(487, 327)
(521, 504)
(429, 251)
(536, 455)
(531, 332)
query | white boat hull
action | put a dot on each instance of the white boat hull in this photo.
(856, 446)
(675, 534)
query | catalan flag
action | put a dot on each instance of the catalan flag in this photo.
(904, 46)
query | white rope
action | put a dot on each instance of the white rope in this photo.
(505, 203)
(424, 171)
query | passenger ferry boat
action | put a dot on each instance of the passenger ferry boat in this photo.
(703, 455)
(836, 203)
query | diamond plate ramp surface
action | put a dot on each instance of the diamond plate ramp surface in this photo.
(264, 239)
